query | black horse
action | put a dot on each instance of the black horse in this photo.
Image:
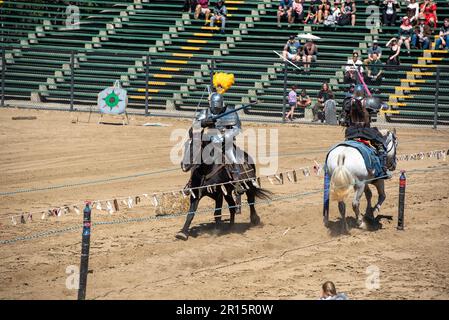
(204, 175)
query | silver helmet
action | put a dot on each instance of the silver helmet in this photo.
(216, 103)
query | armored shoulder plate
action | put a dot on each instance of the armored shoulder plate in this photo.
(201, 115)
(230, 120)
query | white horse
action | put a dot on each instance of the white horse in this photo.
(347, 169)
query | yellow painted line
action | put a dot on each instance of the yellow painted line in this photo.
(435, 51)
(407, 88)
(149, 90)
(176, 61)
(157, 83)
(234, 2)
(185, 55)
(400, 97)
(170, 69)
(414, 80)
(430, 58)
(190, 48)
(202, 34)
(196, 41)
(424, 65)
(232, 8)
(160, 75)
(420, 73)
(398, 104)
(139, 97)
(208, 28)
(390, 111)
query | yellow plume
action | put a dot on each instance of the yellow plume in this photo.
(223, 81)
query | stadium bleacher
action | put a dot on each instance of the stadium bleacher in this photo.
(113, 39)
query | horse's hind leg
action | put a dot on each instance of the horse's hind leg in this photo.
(254, 218)
(218, 206)
(184, 233)
(359, 188)
(342, 209)
(232, 207)
(369, 208)
(380, 186)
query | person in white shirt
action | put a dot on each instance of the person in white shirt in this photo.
(413, 11)
(352, 65)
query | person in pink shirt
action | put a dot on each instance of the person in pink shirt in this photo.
(202, 7)
(297, 12)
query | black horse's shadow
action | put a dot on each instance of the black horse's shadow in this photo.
(375, 224)
(221, 229)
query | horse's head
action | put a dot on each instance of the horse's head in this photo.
(392, 145)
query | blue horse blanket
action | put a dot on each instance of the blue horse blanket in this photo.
(372, 161)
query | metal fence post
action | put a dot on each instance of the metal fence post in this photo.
(85, 246)
(2, 104)
(147, 74)
(284, 104)
(437, 91)
(72, 78)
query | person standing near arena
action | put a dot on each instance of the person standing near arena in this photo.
(324, 95)
(292, 102)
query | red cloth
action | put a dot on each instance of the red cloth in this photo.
(429, 13)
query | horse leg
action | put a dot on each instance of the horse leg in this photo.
(218, 205)
(342, 209)
(254, 218)
(232, 207)
(380, 186)
(356, 203)
(184, 233)
(369, 208)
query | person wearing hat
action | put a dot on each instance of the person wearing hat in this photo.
(375, 48)
(291, 49)
(405, 33)
(422, 34)
(219, 13)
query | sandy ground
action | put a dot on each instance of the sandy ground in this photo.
(288, 256)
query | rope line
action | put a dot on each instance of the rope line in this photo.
(175, 215)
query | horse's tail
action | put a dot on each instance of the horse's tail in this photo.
(341, 180)
(262, 193)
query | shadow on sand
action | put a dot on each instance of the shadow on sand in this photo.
(221, 229)
(375, 224)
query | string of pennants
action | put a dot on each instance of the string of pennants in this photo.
(112, 205)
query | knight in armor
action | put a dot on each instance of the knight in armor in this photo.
(226, 128)
(359, 124)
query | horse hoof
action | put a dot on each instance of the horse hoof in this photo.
(182, 236)
(255, 220)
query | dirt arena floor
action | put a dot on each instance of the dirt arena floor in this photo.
(288, 256)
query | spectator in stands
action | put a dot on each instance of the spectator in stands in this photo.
(291, 49)
(374, 71)
(422, 34)
(443, 39)
(348, 11)
(350, 92)
(202, 7)
(389, 12)
(284, 10)
(304, 100)
(375, 48)
(312, 15)
(405, 33)
(334, 14)
(395, 49)
(292, 102)
(352, 65)
(297, 12)
(310, 52)
(189, 6)
(324, 95)
(323, 11)
(429, 10)
(219, 13)
(330, 293)
(413, 11)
